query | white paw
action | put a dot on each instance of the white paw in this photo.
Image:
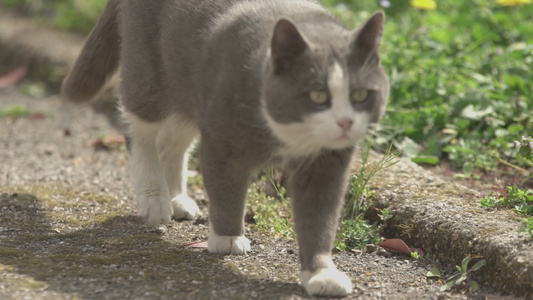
(327, 282)
(185, 208)
(155, 210)
(227, 244)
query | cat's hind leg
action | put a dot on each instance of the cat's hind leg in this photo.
(149, 183)
(173, 141)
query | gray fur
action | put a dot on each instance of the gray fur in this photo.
(221, 65)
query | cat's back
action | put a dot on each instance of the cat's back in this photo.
(150, 27)
(195, 48)
(155, 24)
(160, 45)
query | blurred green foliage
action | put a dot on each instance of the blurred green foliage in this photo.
(460, 78)
(75, 15)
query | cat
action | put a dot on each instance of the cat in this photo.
(259, 81)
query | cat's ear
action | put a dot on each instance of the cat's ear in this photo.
(368, 36)
(287, 44)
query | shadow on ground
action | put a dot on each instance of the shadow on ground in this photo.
(118, 257)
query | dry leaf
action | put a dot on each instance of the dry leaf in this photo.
(400, 246)
(201, 244)
(13, 77)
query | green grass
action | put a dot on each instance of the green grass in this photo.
(359, 191)
(356, 233)
(270, 215)
(520, 200)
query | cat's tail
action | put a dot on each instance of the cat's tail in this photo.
(98, 59)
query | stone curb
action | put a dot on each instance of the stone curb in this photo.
(446, 220)
(443, 218)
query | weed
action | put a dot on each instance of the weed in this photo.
(529, 227)
(358, 185)
(434, 272)
(15, 111)
(280, 190)
(270, 215)
(519, 199)
(355, 234)
(385, 215)
(462, 277)
(416, 255)
(197, 180)
(525, 150)
(354, 231)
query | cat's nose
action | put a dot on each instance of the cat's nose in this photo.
(345, 123)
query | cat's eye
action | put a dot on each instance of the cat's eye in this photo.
(359, 95)
(318, 97)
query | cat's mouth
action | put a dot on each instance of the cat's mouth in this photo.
(343, 137)
(341, 141)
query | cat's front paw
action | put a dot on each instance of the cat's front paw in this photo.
(155, 210)
(327, 282)
(228, 244)
(185, 208)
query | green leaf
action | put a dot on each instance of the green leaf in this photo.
(454, 277)
(429, 160)
(434, 272)
(443, 36)
(479, 265)
(514, 81)
(460, 279)
(447, 286)
(409, 148)
(515, 128)
(464, 264)
(470, 112)
(481, 32)
(473, 285)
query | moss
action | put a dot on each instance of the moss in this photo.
(28, 283)
(10, 252)
(21, 282)
(55, 194)
(4, 268)
(45, 198)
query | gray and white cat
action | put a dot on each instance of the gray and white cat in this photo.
(260, 81)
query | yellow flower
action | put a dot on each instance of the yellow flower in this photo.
(513, 2)
(428, 4)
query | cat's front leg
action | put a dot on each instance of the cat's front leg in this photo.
(317, 189)
(226, 181)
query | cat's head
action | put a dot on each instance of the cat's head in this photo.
(324, 85)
